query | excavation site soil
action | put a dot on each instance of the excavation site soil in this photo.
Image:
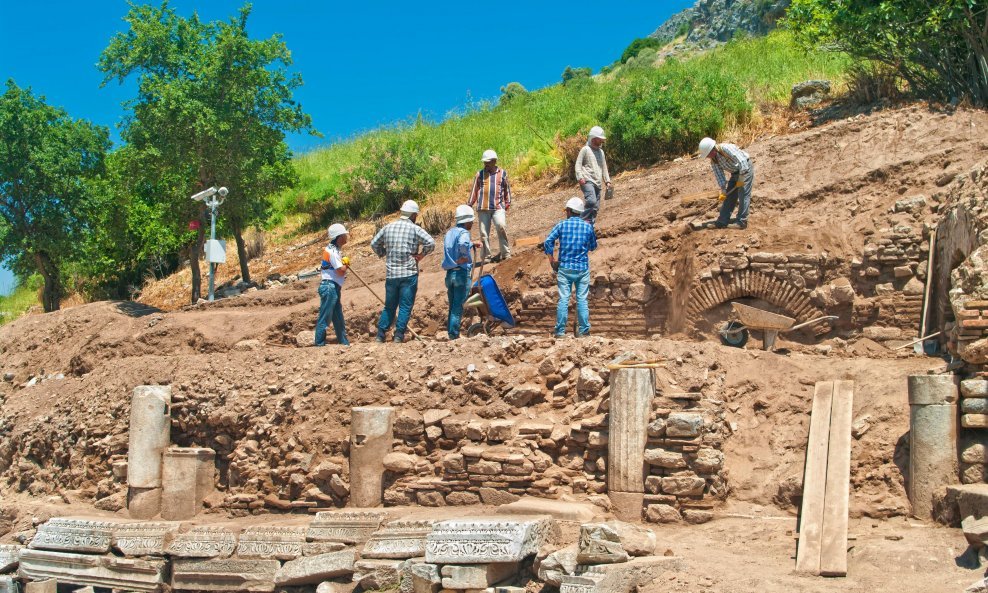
(246, 383)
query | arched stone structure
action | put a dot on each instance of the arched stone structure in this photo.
(789, 297)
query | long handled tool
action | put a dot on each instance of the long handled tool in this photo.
(371, 290)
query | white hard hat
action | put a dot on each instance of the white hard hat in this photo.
(464, 213)
(597, 132)
(489, 155)
(410, 207)
(575, 204)
(706, 145)
(337, 230)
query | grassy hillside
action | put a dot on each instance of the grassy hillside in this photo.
(22, 298)
(371, 173)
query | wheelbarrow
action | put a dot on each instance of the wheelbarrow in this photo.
(736, 332)
(487, 299)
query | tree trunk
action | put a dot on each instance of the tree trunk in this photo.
(194, 254)
(238, 235)
(51, 295)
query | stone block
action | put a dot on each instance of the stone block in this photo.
(143, 539)
(662, 513)
(484, 540)
(204, 542)
(129, 574)
(188, 476)
(317, 548)
(697, 516)
(378, 574)
(143, 503)
(400, 463)
(659, 457)
(461, 498)
(627, 506)
(501, 430)
(485, 468)
(73, 535)
(280, 543)
(599, 544)
(975, 454)
(149, 435)
(684, 424)
(371, 434)
(554, 565)
(455, 428)
(589, 384)
(477, 576)
(683, 485)
(974, 420)
(496, 496)
(409, 423)
(45, 586)
(769, 258)
(623, 577)
(974, 388)
(708, 461)
(8, 584)
(974, 405)
(348, 527)
(224, 575)
(975, 530)
(902, 271)
(425, 577)
(9, 555)
(973, 474)
(454, 463)
(398, 540)
(557, 509)
(635, 540)
(311, 570)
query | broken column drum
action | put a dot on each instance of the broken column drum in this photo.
(932, 439)
(370, 441)
(632, 391)
(150, 428)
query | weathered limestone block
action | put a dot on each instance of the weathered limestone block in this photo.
(454, 463)
(599, 544)
(311, 570)
(45, 586)
(280, 543)
(484, 540)
(975, 454)
(662, 513)
(477, 576)
(409, 423)
(683, 485)
(8, 557)
(589, 384)
(317, 548)
(150, 431)
(635, 540)
(9, 585)
(623, 577)
(455, 428)
(188, 476)
(501, 430)
(204, 542)
(130, 574)
(348, 527)
(974, 388)
(684, 424)
(557, 509)
(460, 498)
(143, 539)
(73, 535)
(974, 420)
(224, 575)
(553, 566)
(398, 540)
(631, 396)
(659, 457)
(371, 434)
(974, 405)
(708, 461)
(975, 530)
(378, 574)
(400, 463)
(697, 516)
(425, 577)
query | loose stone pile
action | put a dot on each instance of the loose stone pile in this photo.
(365, 547)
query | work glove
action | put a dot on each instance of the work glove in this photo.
(721, 197)
(555, 267)
(740, 183)
(346, 261)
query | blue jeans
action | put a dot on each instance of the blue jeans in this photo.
(591, 202)
(399, 294)
(737, 196)
(330, 308)
(457, 286)
(566, 280)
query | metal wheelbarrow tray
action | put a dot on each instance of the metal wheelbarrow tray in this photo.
(735, 333)
(490, 303)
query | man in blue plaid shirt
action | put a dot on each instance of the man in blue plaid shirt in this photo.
(576, 240)
(399, 243)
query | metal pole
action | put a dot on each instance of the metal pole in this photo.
(212, 237)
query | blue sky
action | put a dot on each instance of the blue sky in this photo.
(365, 64)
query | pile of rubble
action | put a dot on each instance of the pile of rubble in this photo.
(362, 546)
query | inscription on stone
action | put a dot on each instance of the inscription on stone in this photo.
(204, 542)
(348, 527)
(73, 535)
(283, 543)
(8, 557)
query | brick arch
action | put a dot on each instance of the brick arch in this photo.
(789, 297)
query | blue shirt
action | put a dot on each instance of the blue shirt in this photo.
(576, 241)
(456, 246)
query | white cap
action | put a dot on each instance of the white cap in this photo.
(575, 204)
(337, 230)
(489, 155)
(597, 132)
(410, 207)
(706, 145)
(464, 213)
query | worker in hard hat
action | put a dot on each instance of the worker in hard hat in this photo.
(458, 263)
(591, 172)
(736, 189)
(403, 244)
(333, 270)
(491, 194)
(576, 239)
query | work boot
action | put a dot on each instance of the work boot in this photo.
(380, 337)
(399, 338)
(742, 225)
(720, 225)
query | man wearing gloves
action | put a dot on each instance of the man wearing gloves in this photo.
(333, 270)
(576, 240)
(400, 242)
(457, 262)
(736, 190)
(492, 195)
(591, 172)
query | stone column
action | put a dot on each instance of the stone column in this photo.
(632, 391)
(370, 440)
(150, 431)
(188, 475)
(932, 440)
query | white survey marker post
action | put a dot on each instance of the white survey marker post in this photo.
(215, 250)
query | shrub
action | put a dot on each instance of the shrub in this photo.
(571, 74)
(512, 90)
(870, 82)
(254, 243)
(664, 112)
(437, 221)
(393, 168)
(638, 45)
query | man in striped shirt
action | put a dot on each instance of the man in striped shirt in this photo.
(492, 195)
(399, 243)
(736, 190)
(576, 240)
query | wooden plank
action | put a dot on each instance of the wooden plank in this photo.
(529, 241)
(700, 196)
(833, 555)
(929, 281)
(815, 481)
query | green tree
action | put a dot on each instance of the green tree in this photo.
(512, 90)
(48, 164)
(940, 47)
(213, 107)
(570, 74)
(637, 46)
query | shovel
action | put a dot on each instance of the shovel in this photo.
(371, 290)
